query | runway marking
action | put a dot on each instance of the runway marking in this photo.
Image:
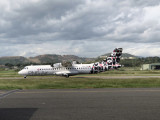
(109, 91)
(8, 93)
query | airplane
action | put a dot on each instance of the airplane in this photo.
(67, 70)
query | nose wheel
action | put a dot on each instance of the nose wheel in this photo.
(25, 76)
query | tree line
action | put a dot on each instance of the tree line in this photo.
(139, 61)
(126, 62)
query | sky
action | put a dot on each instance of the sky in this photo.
(86, 28)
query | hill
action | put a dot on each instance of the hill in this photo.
(123, 55)
(53, 58)
(42, 59)
(13, 60)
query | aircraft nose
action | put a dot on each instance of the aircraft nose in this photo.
(20, 72)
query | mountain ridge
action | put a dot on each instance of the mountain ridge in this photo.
(50, 58)
(42, 59)
(123, 55)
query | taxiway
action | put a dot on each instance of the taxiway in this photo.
(81, 104)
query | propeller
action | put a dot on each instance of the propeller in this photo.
(67, 64)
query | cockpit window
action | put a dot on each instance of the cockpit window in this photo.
(26, 68)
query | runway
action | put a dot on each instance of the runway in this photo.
(101, 77)
(81, 104)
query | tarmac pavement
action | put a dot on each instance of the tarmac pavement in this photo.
(81, 104)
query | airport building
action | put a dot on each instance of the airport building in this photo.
(153, 66)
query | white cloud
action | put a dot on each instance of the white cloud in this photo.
(84, 27)
(152, 14)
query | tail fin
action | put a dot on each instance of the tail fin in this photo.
(111, 62)
(114, 59)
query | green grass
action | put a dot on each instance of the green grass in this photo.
(126, 73)
(62, 83)
(79, 81)
(8, 73)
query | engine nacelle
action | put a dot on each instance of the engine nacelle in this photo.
(57, 65)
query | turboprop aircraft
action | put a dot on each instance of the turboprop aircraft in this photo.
(73, 69)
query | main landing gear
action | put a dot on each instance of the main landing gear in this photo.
(67, 76)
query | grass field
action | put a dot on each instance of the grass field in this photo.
(11, 80)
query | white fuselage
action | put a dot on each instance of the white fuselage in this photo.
(110, 62)
(49, 70)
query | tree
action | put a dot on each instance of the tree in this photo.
(9, 65)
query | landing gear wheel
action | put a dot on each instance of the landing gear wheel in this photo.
(67, 76)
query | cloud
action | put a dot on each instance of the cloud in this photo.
(83, 27)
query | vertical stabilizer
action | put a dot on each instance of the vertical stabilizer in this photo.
(114, 59)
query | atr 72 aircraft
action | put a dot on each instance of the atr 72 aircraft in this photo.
(73, 69)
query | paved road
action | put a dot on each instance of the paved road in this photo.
(102, 77)
(81, 104)
(119, 77)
